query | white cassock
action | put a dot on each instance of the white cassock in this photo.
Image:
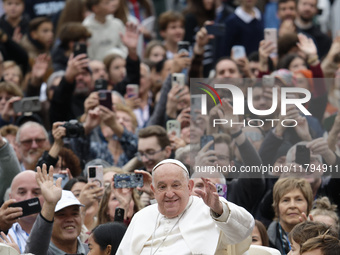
(195, 231)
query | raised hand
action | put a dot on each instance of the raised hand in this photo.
(75, 66)
(202, 39)
(206, 157)
(180, 62)
(90, 194)
(302, 128)
(91, 102)
(147, 180)
(50, 192)
(307, 45)
(58, 132)
(210, 196)
(9, 215)
(17, 35)
(320, 146)
(40, 66)
(175, 97)
(265, 49)
(9, 241)
(8, 111)
(130, 38)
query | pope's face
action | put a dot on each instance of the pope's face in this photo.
(172, 189)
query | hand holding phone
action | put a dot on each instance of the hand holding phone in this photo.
(30, 206)
(119, 214)
(302, 155)
(205, 139)
(105, 98)
(178, 78)
(79, 48)
(95, 175)
(173, 127)
(270, 34)
(183, 47)
(238, 51)
(132, 90)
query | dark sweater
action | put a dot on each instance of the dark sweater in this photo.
(9, 30)
(240, 33)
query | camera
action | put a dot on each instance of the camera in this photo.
(73, 129)
(27, 104)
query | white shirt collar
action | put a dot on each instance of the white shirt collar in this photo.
(245, 16)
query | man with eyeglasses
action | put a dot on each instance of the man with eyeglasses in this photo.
(153, 146)
(32, 140)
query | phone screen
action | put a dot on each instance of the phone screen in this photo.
(205, 139)
(302, 155)
(105, 98)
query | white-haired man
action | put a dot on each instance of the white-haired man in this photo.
(185, 224)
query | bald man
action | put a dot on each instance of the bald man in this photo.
(24, 186)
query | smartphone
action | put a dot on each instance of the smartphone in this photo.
(64, 178)
(270, 34)
(183, 46)
(173, 127)
(119, 215)
(79, 48)
(178, 78)
(132, 90)
(105, 98)
(195, 106)
(238, 51)
(128, 181)
(95, 175)
(302, 155)
(216, 29)
(27, 104)
(100, 84)
(30, 206)
(268, 81)
(221, 190)
(205, 139)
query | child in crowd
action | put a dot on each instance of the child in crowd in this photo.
(321, 245)
(116, 68)
(40, 38)
(12, 73)
(305, 231)
(105, 30)
(13, 22)
(171, 28)
(155, 51)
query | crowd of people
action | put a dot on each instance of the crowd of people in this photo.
(228, 111)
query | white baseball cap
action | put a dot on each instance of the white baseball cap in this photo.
(67, 199)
